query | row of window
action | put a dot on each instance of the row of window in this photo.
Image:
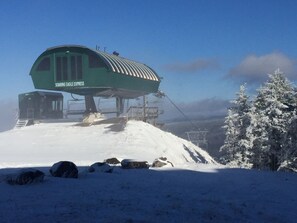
(69, 67)
(62, 66)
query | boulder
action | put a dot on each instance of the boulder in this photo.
(65, 169)
(113, 161)
(100, 167)
(162, 161)
(25, 176)
(134, 164)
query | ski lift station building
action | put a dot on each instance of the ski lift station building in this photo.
(84, 71)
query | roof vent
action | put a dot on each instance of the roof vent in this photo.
(115, 53)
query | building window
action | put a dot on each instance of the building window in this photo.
(59, 68)
(79, 67)
(65, 69)
(73, 68)
(95, 61)
(76, 67)
(69, 68)
(44, 65)
(56, 105)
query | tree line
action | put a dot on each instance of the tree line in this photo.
(262, 133)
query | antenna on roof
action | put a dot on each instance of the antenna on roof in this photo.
(97, 47)
(105, 49)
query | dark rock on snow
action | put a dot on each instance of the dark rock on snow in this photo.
(162, 161)
(134, 164)
(100, 167)
(25, 176)
(65, 169)
(112, 161)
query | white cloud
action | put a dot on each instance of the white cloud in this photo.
(255, 68)
(192, 66)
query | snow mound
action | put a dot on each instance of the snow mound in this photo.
(46, 143)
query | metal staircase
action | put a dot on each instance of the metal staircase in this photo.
(21, 123)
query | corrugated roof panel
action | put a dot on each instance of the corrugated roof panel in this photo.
(128, 67)
(112, 63)
(126, 70)
(120, 64)
(140, 73)
(109, 62)
(147, 71)
(132, 69)
(117, 63)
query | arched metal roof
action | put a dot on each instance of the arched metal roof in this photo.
(128, 67)
(92, 72)
(121, 65)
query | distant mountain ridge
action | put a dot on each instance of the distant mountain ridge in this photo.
(213, 124)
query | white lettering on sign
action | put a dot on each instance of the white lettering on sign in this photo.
(79, 83)
(70, 84)
(60, 85)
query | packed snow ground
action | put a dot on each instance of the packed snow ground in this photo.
(189, 192)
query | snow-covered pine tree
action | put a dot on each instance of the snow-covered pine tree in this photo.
(228, 150)
(271, 113)
(289, 155)
(236, 144)
(257, 137)
(289, 159)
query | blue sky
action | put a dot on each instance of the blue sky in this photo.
(202, 49)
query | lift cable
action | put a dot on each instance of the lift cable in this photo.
(185, 116)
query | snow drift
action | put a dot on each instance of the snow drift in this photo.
(46, 143)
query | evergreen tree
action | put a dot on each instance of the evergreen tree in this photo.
(228, 150)
(291, 141)
(289, 154)
(236, 144)
(271, 114)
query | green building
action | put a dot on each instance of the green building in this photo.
(84, 71)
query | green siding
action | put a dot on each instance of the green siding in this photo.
(94, 80)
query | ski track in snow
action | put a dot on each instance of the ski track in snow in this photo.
(189, 192)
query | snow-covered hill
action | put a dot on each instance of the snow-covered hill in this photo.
(189, 192)
(46, 143)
